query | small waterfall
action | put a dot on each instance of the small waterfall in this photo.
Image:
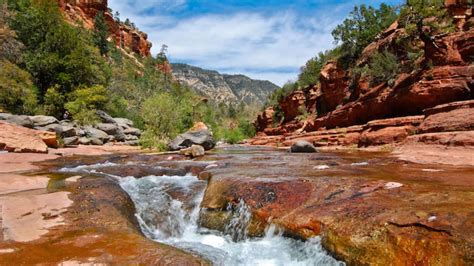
(241, 216)
(168, 210)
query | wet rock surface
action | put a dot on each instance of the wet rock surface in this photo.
(96, 226)
(368, 208)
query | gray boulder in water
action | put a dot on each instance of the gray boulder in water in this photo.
(197, 135)
(303, 146)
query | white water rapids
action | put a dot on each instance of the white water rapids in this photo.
(168, 212)
(166, 219)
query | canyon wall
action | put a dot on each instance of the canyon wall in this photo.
(83, 12)
(445, 75)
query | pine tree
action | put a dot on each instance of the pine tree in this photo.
(101, 33)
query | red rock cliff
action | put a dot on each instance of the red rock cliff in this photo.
(445, 75)
(84, 11)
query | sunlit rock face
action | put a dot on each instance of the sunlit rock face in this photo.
(83, 12)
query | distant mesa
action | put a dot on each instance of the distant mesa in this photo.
(222, 88)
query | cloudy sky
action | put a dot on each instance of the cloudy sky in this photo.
(262, 39)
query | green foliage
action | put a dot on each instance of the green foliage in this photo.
(84, 102)
(17, 92)
(165, 115)
(412, 17)
(279, 94)
(360, 29)
(101, 33)
(309, 73)
(54, 102)
(383, 67)
(56, 52)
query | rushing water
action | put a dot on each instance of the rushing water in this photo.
(165, 218)
(168, 212)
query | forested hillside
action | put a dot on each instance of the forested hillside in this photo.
(52, 63)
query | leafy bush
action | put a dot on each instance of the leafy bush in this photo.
(360, 29)
(53, 103)
(17, 92)
(165, 115)
(84, 102)
(56, 53)
(383, 67)
(309, 73)
(412, 17)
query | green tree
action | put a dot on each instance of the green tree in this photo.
(84, 102)
(360, 29)
(309, 73)
(56, 53)
(383, 67)
(17, 92)
(101, 33)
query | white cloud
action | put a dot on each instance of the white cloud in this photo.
(261, 46)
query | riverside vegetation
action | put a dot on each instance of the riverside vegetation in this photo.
(49, 66)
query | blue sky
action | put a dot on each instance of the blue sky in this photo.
(261, 39)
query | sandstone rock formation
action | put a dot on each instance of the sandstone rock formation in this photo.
(344, 112)
(15, 138)
(124, 36)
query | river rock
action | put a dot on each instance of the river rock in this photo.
(71, 141)
(96, 141)
(132, 131)
(193, 151)
(110, 129)
(84, 141)
(20, 120)
(95, 133)
(303, 146)
(14, 138)
(43, 120)
(198, 135)
(124, 122)
(105, 118)
(131, 137)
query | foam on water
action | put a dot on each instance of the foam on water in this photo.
(168, 211)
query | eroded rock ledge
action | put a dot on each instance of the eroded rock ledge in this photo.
(367, 209)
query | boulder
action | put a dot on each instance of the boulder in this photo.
(57, 128)
(5, 116)
(199, 134)
(124, 122)
(130, 137)
(49, 138)
(71, 141)
(110, 129)
(193, 151)
(132, 131)
(96, 141)
(303, 146)
(14, 138)
(94, 133)
(20, 120)
(68, 131)
(105, 118)
(84, 141)
(43, 120)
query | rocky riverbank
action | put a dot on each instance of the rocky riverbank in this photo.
(367, 207)
(21, 133)
(53, 218)
(447, 128)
